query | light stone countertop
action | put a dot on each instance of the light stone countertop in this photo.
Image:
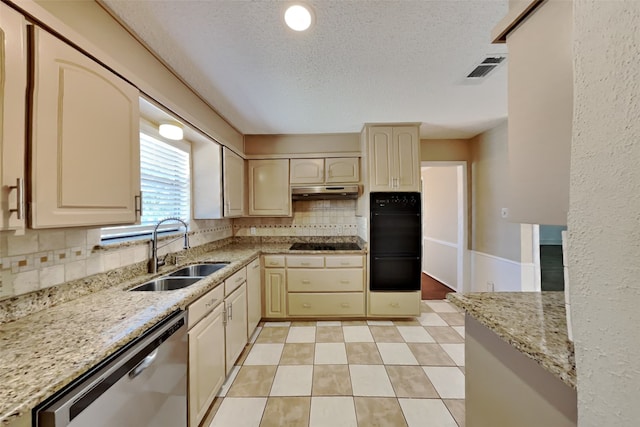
(534, 323)
(42, 352)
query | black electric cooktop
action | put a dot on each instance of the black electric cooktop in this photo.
(325, 247)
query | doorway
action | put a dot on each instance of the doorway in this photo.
(444, 228)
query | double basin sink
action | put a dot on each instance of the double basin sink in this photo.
(182, 278)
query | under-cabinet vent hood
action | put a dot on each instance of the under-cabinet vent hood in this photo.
(320, 192)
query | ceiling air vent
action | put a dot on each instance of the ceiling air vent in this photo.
(486, 66)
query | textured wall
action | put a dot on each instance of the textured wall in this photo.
(490, 233)
(604, 219)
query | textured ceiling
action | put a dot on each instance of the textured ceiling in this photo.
(363, 61)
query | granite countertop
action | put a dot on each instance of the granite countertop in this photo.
(532, 322)
(44, 351)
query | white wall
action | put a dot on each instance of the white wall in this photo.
(604, 221)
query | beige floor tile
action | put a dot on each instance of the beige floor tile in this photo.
(448, 381)
(332, 412)
(406, 322)
(331, 380)
(456, 407)
(329, 334)
(453, 319)
(370, 380)
(379, 412)
(331, 353)
(386, 334)
(328, 323)
(243, 355)
(396, 354)
(363, 353)
(286, 412)
(442, 306)
(424, 308)
(303, 323)
(239, 412)
(354, 323)
(276, 334)
(415, 334)
(411, 381)
(432, 319)
(430, 355)
(444, 334)
(357, 334)
(459, 329)
(276, 324)
(298, 354)
(301, 334)
(253, 381)
(379, 323)
(264, 354)
(426, 412)
(294, 380)
(455, 351)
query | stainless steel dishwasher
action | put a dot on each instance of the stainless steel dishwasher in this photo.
(143, 385)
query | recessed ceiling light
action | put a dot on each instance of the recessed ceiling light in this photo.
(298, 17)
(171, 131)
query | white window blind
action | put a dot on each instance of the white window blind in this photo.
(165, 181)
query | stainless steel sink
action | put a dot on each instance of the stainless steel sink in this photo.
(199, 270)
(167, 284)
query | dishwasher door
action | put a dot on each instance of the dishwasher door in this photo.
(143, 386)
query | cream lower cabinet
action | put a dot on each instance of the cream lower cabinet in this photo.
(394, 304)
(13, 89)
(393, 154)
(85, 144)
(269, 193)
(236, 326)
(275, 288)
(254, 296)
(325, 286)
(206, 353)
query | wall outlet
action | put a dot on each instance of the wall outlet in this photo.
(504, 212)
(252, 230)
(490, 287)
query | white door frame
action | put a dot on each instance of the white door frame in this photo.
(463, 255)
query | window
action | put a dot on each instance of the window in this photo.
(165, 183)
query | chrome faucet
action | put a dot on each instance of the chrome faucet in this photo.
(155, 262)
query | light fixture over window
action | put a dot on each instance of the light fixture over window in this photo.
(298, 17)
(171, 130)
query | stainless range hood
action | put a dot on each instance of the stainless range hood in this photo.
(323, 192)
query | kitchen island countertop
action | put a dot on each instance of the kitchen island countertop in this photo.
(44, 351)
(534, 323)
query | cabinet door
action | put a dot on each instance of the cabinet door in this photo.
(307, 171)
(236, 328)
(254, 296)
(406, 158)
(206, 364)
(380, 154)
(342, 170)
(85, 140)
(269, 193)
(233, 184)
(274, 292)
(13, 81)
(540, 84)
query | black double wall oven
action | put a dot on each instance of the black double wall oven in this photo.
(395, 241)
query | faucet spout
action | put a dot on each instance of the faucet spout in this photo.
(155, 262)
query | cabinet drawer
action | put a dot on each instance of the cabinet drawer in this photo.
(253, 265)
(401, 304)
(326, 304)
(341, 261)
(273, 261)
(305, 261)
(234, 281)
(204, 305)
(339, 280)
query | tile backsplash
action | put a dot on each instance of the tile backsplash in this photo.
(40, 259)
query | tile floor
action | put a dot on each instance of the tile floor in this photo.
(349, 373)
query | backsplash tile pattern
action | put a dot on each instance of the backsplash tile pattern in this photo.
(310, 218)
(41, 259)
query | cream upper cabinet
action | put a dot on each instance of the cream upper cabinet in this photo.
(254, 296)
(234, 177)
(342, 169)
(85, 149)
(394, 158)
(13, 89)
(269, 193)
(540, 87)
(325, 171)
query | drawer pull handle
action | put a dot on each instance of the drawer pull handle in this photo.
(273, 262)
(256, 266)
(210, 303)
(344, 263)
(395, 304)
(239, 279)
(345, 305)
(344, 282)
(306, 282)
(305, 263)
(306, 305)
